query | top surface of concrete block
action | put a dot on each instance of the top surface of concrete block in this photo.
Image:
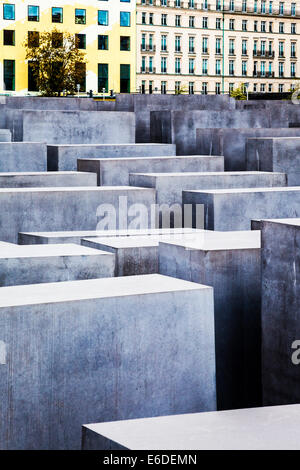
(112, 233)
(207, 174)
(209, 240)
(263, 428)
(9, 250)
(246, 190)
(73, 188)
(93, 289)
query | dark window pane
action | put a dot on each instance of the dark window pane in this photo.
(125, 78)
(33, 39)
(57, 39)
(9, 74)
(125, 43)
(103, 42)
(57, 15)
(32, 83)
(8, 37)
(81, 41)
(102, 77)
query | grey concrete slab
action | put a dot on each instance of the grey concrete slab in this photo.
(267, 428)
(78, 127)
(104, 349)
(233, 209)
(137, 254)
(70, 208)
(169, 186)
(23, 156)
(232, 143)
(275, 154)
(46, 179)
(33, 264)
(179, 127)
(280, 310)
(230, 263)
(5, 135)
(116, 171)
(32, 238)
(64, 157)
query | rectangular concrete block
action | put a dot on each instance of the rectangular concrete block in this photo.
(5, 135)
(80, 208)
(267, 428)
(233, 209)
(78, 127)
(232, 143)
(230, 263)
(34, 238)
(116, 171)
(280, 310)
(169, 186)
(23, 156)
(33, 264)
(275, 154)
(137, 254)
(102, 350)
(47, 179)
(64, 157)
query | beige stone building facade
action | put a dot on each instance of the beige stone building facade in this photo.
(211, 46)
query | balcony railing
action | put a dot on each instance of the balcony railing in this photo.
(148, 48)
(267, 54)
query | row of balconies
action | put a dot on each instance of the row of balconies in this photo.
(256, 74)
(268, 54)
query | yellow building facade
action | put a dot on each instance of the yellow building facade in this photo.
(106, 30)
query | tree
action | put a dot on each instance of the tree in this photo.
(56, 62)
(239, 92)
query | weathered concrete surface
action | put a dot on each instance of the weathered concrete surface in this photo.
(23, 156)
(268, 428)
(179, 127)
(29, 264)
(275, 154)
(116, 171)
(5, 135)
(230, 263)
(46, 179)
(79, 127)
(169, 186)
(280, 310)
(233, 209)
(103, 350)
(137, 254)
(81, 208)
(64, 157)
(232, 143)
(34, 238)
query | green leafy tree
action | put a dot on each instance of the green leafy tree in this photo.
(239, 92)
(56, 62)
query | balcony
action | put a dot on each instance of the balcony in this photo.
(148, 48)
(267, 54)
(148, 70)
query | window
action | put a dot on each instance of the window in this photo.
(143, 87)
(178, 3)
(163, 42)
(177, 87)
(270, 7)
(163, 65)
(218, 5)
(32, 83)
(293, 28)
(163, 3)
(8, 12)
(231, 46)
(270, 69)
(244, 47)
(191, 88)
(280, 69)
(191, 3)
(231, 87)
(231, 67)
(293, 69)
(281, 8)
(255, 68)
(125, 43)
(204, 66)
(103, 17)
(204, 45)
(125, 18)
(280, 88)
(255, 25)
(125, 78)
(293, 9)
(191, 66)
(218, 45)
(80, 16)
(164, 19)
(270, 87)
(204, 22)
(244, 6)
(191, 21)
(8, 37)
(81, 41)
(263, 48)
(150, 64)
(150, 87)
(102, 42)
(255, 48)
(204, 88)
(177, 65)
(177, 43)
(205, 5)
(263, 6)
(102, 77)
(293, 49)
(281, 51)
(231, 24)
(218, 23)
(270, 27)
(143, 18)
(9, 74)
(151, 42)
(262, 87)
(255, 6)
(57, 39)
(33, 13)
(150, 18)
(263, 69)
(281, 27)
(163, 88)
(177, 20)
(263, 26)
(231, 5)
(244, 25)
(218, 67)
(80, 70)
(143, 68)
(218, 88)
(57, 15)
(191, 44)
(33, 38)
(244, 68)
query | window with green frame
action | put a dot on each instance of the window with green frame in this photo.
(102, 77)
(125, 78)
(9, 74)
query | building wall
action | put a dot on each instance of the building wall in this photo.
(113, 57)
(198, 32)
